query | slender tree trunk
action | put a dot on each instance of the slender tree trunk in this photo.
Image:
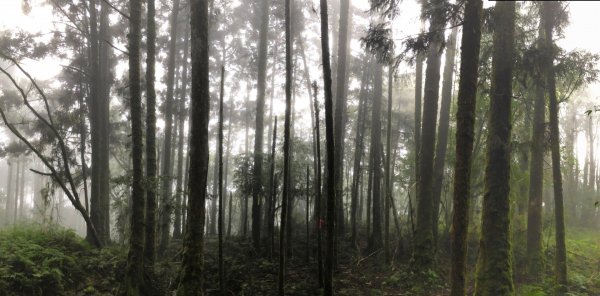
(286, 148)
(465, 123)
(150, 242)
(330, 145)
(272, 193)
(17, 191)
(99, 198)
(180, 162)
(592, 161)
(260, 108)
(134, 274)
(388, 166)
(220, 157)
(229, 214)
(424, 245)
(166, 199)
(442, 142)
(191, 278)
(358, 152)
(549, 11)
(307, 212)
(494, 266)
(318, 202)
(340, 111)
(375, 239)
(536, 180)
(10, 197)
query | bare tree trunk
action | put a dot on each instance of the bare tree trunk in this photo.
(134, 274)
(220, 157)
(191, 273)
(258, 141)
(340, 111)
(318, 201)
(549, 11)
(358, 152)
(536, 180)
(424, 245)
(99, 199)
(272, 194)
(10, 196)
(177, 224)
(166, 173)
(330, 145)
(150, 240)
(286, 149)
(442, 140)
(375, 239)
(388, 166)
(465, 123)
(494, 270)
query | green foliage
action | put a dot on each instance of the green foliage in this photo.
(35, 261)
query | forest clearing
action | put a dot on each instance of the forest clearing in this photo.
(262, 147)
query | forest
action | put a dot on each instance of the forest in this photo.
(261, 147)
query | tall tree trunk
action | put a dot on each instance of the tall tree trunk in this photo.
(134, 274)
(375, 240)
(150, 243)
(536, 180)
(318, 201)
(330, 148)
(358, 152)
(424, 245)
(10, 196)
(307, 258)
(180, 162)
(272, 193)
(442, 142)
(17, 191)
(592, 160)
(260, 108)
(388, 166)
(191, 277)
(286, 148)
(99, 100)
(166, 199)
(340, 112)
(220, 157)
(494, 266)
(549, 12)
(465, 123)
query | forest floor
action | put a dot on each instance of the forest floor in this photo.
(52, 261)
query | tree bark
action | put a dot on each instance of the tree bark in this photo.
(424, 245)
(191, 279)
(375, 239)
(465, 123)
(260, 108)
(286, 148)
(177, 225)
(99, 102)
(134, 274)
(150, 242)
(358, 151)
(442, 142)
(549, 11)
(166, 173)
(340, 112)
(536, 180)
(330, 148)
(494, 266)
(220, 162)
(318, 201)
